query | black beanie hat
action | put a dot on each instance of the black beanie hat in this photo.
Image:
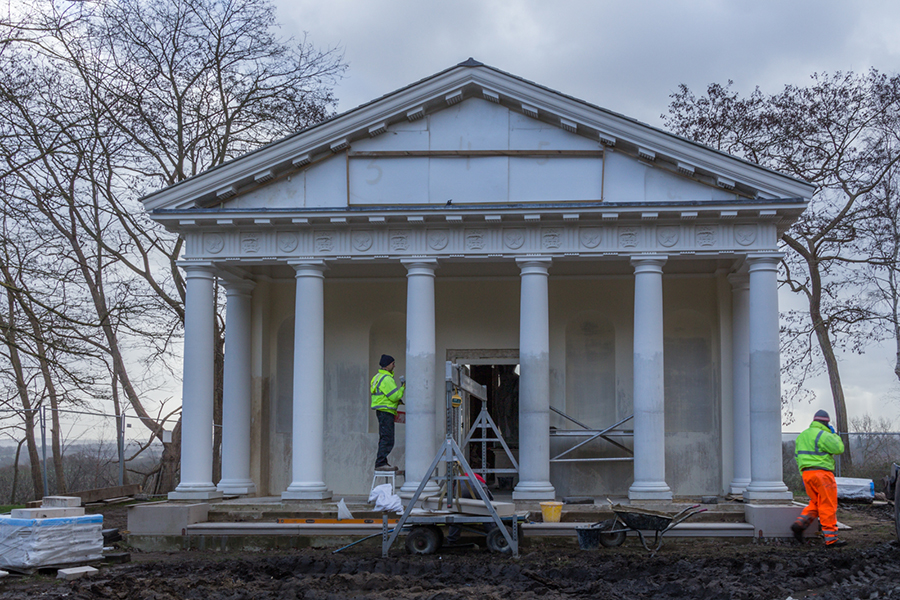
(385, 360)
(822, 416)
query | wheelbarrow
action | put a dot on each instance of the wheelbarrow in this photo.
(611, 532)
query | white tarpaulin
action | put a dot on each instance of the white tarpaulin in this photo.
(850, 488)
(32, 543)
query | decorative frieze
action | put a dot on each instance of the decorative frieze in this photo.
(288, 241)
(745, 234)
(628, 237)
(362, 240)
(213, 243)
(344, 240)
(590, 237)
(667, 235)
(324, 242)
(706, 235)
(438, 239)
(250, 243)
(399, 240)
(476, 239)
(514, 238)
(551, 238)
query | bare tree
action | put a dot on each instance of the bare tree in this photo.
(126, 96)
(838, 133)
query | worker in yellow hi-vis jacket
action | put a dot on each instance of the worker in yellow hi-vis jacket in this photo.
(386, 397)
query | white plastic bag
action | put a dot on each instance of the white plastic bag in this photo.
(384, 500)
(343, 511)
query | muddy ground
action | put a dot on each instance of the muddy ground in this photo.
(869, 567)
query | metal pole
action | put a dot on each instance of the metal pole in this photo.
(44, 449)
(120, 435)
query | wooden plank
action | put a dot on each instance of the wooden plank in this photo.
(107, 493)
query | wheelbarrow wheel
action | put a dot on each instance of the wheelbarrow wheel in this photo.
(608, 537)
(497, 543)
(424, 540)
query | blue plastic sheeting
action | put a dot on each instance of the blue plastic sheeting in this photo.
(9, 521)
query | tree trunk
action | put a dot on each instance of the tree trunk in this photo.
(15, 481)
(22, 389)
(831, 363)
(170, 462)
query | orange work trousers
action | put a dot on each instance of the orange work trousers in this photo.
(822, 491)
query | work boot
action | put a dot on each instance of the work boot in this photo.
(386, 467)
(836, 544)
(797, 528)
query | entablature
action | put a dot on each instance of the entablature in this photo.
(584, 233)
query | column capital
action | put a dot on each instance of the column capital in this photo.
(241, 287)
(420, 266)
(308, 268)
(764, 261)
(649, 263)
(197, 268)
(536, 265)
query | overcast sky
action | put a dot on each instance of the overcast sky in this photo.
(624, 56)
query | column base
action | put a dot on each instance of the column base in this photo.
(738, 486)
(326, 495)
(236, 487)
(409, 488)
(771, 496)
(650, 491)
(534, 490)
(195, 495)
(306, 491)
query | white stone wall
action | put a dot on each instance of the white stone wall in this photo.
(364, 319)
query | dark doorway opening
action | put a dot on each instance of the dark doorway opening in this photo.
(502, 383)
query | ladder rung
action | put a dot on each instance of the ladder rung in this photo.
(484, 440)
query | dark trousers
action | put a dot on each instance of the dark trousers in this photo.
(385, 436)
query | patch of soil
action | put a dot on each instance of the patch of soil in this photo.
(869, 567)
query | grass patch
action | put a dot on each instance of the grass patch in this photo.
(5, 508)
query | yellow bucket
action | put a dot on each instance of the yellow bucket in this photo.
(551, 511)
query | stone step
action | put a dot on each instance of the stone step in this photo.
(75, 573)
(46, 513)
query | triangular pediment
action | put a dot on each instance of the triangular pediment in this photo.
(475, 135)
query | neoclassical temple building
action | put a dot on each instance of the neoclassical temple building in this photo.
(596, 271)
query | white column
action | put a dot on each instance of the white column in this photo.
(649, 398)
(740, 339)
(236, 391)
(197, 387)
(534, 383)
(766, 482)
(420, 375)
(308, 433)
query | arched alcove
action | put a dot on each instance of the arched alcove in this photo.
(284, 376)
(693, 437)
(591, 369)
(690, 401)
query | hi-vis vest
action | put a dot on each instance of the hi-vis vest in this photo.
(816, 447)
(386, 395)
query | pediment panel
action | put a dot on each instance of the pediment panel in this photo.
(475, 135)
